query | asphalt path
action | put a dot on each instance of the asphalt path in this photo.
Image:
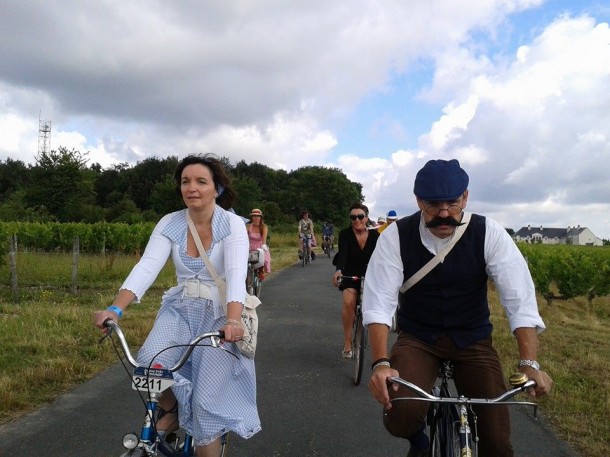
(307, 401)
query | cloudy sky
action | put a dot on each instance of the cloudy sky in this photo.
(517, 90)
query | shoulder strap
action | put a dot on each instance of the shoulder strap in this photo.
(438, 258)
(201, 250)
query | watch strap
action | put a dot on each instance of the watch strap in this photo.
(529, 363)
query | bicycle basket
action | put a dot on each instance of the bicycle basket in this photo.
(257, 257)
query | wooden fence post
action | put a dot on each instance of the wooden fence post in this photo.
(13, 267)
(75, 252)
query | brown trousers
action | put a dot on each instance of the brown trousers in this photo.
(477, 373)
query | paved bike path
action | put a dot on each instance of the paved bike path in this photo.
(307, 401)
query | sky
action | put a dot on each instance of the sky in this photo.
(517, 90)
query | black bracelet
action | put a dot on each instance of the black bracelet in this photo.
(383, 359)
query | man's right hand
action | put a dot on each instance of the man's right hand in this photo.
(378, 385)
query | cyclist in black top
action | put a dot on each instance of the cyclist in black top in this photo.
(356, 245)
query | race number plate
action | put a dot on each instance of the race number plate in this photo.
(151, 380)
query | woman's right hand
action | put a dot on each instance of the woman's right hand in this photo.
(99, 317)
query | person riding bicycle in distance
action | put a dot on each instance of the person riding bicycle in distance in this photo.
(305, 230)
(328, 235)
(445, 316)
(257, 237)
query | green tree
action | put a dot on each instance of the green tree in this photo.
(124, 211)
(325, 192)
(248, 193)
(143, 177)
(13, 176)
(164, 198)
(61, 183)
(110, 183)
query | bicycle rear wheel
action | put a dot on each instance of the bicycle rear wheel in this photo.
(358, 348)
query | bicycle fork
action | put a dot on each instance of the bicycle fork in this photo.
(465, 433)
(148, 437)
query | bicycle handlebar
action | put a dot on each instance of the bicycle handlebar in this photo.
(214, 337)
(352, 278)
(499, 400)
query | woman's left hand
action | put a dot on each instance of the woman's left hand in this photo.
(234, 330)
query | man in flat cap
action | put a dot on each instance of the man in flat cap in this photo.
(445, 315)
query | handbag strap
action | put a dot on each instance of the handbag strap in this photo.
(204, 256)
(438, 258)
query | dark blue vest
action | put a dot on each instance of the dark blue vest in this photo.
(452, 298)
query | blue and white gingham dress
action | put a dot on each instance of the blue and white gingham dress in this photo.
(216, 391)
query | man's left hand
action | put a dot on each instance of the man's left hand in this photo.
(544, 383)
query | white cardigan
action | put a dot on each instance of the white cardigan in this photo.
(228, 253)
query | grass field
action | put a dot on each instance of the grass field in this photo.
(49, 343)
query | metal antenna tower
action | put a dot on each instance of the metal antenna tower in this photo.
(44, 136)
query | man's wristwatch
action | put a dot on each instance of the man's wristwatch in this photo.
(529, 363)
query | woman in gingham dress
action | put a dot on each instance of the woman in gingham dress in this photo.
(215, 392)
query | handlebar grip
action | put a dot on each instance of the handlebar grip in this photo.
(221, 334)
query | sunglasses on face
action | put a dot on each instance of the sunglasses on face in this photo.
(353, 217)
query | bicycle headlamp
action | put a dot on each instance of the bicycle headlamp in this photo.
(130, 441)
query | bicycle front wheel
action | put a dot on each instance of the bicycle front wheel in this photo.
(444, 434)
(177, 444)
(358, 348)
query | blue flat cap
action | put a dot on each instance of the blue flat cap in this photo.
(440, 180)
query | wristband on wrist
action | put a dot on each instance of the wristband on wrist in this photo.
(116, 310)
(383, 361)
(233, 322)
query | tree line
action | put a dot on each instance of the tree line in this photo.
(61, 186)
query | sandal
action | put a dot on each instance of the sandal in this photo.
(348, 354)
(173, 424)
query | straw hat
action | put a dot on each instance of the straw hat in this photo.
(256, 212)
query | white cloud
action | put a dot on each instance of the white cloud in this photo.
(533, 135)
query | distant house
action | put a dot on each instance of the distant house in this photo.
(579, 236)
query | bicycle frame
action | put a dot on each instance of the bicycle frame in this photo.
(468, 441)
(149, 441)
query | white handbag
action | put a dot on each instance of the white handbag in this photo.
(249, 317)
